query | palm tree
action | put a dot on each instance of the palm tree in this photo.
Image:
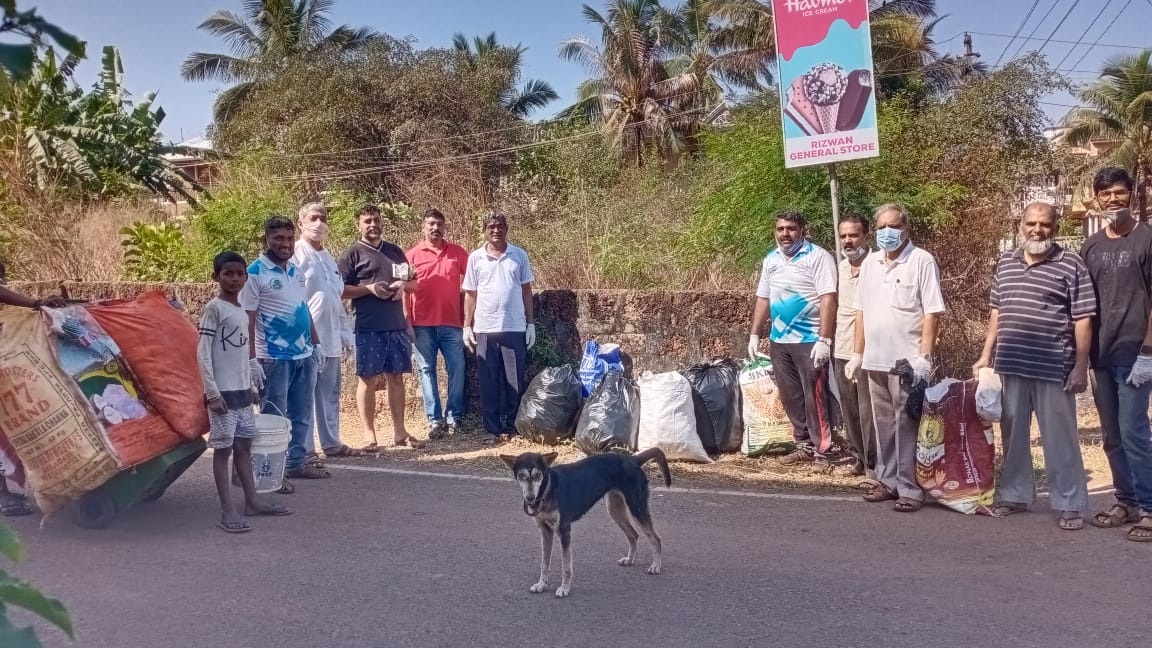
(270, 37)
(1119, 111)
(902, 45)
(520, 102)
(632, 93)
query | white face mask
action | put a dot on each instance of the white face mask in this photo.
(855, 254)
(315, 231)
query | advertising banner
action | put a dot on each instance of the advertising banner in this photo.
(827, 95)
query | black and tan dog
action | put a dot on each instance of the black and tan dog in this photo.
(555, 497)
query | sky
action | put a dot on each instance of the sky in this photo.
(155, 36)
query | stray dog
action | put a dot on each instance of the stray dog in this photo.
(558, 496)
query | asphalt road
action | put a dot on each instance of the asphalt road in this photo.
(384, 559)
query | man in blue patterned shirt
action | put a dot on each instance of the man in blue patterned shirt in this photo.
(287, 352)
(798, 292)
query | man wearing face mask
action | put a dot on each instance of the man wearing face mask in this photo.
(1119, 260)
(798, 292)
(855, 403)
(323, 288)
(898, 302)
(1039, 334)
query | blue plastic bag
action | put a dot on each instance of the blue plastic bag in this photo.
(596, 362)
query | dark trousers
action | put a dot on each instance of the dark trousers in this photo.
(856, 409)
(804, 394)
(501, 362)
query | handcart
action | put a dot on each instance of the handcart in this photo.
(144, 483)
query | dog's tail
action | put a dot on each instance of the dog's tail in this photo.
(661, 461)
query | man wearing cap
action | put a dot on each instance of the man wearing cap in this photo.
(498, 324)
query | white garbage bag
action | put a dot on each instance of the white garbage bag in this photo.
(667, 418)
(988, 392)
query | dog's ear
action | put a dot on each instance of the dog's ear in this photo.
(509, 460)
(549, 458)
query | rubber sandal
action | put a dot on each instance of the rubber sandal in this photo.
(1141, 532)
(344, 451)
(907, 505)
(308, 471)
(371, 448)
(1070, 521)
(1115, 517)
(880, 494)
(236, 526)
(271, 510)
(1006, 509)
(867, 484)
(410, 442)
(286, 488)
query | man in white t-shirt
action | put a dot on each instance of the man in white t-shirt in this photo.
(898, 303)
(798, 292)
(498, 325)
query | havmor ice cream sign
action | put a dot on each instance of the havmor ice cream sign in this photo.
(827, 96)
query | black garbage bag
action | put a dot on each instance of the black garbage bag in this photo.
(717, 384)
(611, 417)
(550, 406)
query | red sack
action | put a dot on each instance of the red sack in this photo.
(955, 452)
(159, 344)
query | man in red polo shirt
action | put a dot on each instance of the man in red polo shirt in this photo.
(436, 314)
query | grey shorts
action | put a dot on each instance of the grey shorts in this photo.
(233, 424)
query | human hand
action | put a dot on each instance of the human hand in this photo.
(852, 369)
(217, 405)
(921, 367)
(380, 291)
(1141, 370)
(469, 339)
(53, 301)
(530, 336)
(319, 357)
(256, 371)
(821, 353)
(753, 346)
(1077, 381)
(983, 363)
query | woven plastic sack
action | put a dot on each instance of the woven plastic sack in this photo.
(667, 418)
(955, 452)
(766, 426)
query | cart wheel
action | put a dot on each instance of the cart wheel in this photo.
(94, 511)
(153, 495)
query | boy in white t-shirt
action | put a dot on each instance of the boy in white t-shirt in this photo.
(223, 358)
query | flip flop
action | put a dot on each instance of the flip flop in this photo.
(272, 510)
(907, 505)
(344, 451)
(1141, 532)
(235, 526)
(411, 442)
(1004, 510)
(1070, 521)
(371, 448)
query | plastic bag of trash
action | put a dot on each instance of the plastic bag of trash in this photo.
(667, 418)
(955, 454)
(596, 362)
(718, 386)
(988, 394)
(550, 406)
(611, 417)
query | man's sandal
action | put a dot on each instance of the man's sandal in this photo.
(907, 505)
(1142, 532)
(1008, 508)
(1115, 517)
(1071, 521)
(880, 494)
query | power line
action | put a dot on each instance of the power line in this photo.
(1058, 26)
(1023, 23)
(1054, 40)
(1095, 44)
(1086, 30)
(1034, 29)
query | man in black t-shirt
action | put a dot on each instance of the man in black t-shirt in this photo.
(376, 275)
(1119, 260)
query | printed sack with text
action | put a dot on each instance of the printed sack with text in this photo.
(596, 362)
(766, 426)
(955, 452)
(45, 418)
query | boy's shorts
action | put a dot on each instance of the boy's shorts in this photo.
(233, 424)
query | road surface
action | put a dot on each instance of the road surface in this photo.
(377, 558)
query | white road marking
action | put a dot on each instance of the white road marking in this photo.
(655, 489)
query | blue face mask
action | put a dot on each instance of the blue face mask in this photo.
(791, 250)
(889, 239)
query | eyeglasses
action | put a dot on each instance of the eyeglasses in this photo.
(1114, 193)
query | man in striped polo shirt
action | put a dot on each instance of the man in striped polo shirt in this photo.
(1039, 336)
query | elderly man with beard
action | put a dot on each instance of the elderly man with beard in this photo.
(1119, 260)
(798, 292)
(1039, 336)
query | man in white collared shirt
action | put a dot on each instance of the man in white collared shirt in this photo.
(323, 287)
(898, 302)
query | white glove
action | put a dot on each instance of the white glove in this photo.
(921, 367)
(319, 357)
(469, 339)
(1141, 370)
(530, 336)
(256, 372)
(821, 352)
(852, 369)
(349, 351)
(753, 346)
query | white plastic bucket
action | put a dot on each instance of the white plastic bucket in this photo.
(269, 452)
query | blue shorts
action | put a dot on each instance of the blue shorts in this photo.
(383, 352)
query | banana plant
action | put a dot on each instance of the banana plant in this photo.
(14, 592)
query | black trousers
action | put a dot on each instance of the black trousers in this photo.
(804, 394)
(501, 364)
